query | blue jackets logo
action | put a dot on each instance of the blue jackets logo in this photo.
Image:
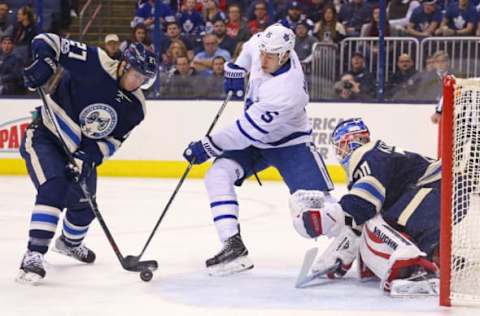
(98, 120)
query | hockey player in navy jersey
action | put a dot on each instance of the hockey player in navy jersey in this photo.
(97, 103)
(390, 216)
(273, 131)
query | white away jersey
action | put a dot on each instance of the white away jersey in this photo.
(274, 113)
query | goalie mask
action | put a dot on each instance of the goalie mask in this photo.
(348, 136)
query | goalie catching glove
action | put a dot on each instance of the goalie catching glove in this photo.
(200, 151)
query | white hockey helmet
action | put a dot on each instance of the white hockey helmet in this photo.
(277, 39)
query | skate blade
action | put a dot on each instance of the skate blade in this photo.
(404, 288)
(238, 265)
(28, 278)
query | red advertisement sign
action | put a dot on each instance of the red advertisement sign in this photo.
(11, 134)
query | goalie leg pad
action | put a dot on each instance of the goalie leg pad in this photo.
(219, 182)
(388, 254)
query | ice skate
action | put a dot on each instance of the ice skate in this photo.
(32, 269)
(233, 258)
(80, 252)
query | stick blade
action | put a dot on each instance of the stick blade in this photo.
(304, 277)
(140, 266)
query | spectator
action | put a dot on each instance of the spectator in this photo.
(139, 35)
(459, 20)
(347, 88)
(11, 69)
(402, 84)
(314, 10)
(304, 42)
(214, 81)
(173, 33)
(203, 60)
(237, 28)
(224, 41)
(176, 49)
(212, 13)
(183, 80)
(361, 75)
(372, 28)
(430, 86)
(294, 16)
(424, 20)
(24, 32)
(261, 20)
(112, 46)
(190, 20)
(328, 29)
(399, 13)
(6, 28)
(146, 14)
(353, 15)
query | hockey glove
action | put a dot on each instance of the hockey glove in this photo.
(82, 168)
(234, 80)
(38, 73)
(200, 151)
(339, 256)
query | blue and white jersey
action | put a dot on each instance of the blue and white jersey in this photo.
(459, 18)
(274, 113)
(94, 114)
(422, 21)
(379, 174)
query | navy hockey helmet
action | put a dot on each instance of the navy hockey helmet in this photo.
(347, 136)
(142, 60)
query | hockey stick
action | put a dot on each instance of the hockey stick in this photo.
(132, 260)
(305, 277)
(145, 267)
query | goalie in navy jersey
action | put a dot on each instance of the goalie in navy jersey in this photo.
(97, 103)
(389, 219)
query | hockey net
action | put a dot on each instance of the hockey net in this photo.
(460, 217)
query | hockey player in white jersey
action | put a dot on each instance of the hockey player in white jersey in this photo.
(272, 131)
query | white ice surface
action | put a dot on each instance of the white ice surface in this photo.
(185, 239)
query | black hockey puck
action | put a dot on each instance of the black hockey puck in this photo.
(146, 275)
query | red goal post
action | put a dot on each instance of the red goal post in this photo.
(460, 195)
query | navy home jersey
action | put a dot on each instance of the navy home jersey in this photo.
(93, 113)
(379, 174)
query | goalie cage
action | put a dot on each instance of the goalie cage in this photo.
(460, 204)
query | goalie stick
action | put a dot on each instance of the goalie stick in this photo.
(304, 277)
(140, 266)
(133, 260)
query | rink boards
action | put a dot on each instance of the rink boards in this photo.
(155, 148)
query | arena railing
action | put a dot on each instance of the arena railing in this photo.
(394, 47)
(463, 53)
(322, 71)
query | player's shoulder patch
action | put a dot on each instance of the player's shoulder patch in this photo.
(108, 64)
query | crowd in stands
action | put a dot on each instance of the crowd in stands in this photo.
(199, 36)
